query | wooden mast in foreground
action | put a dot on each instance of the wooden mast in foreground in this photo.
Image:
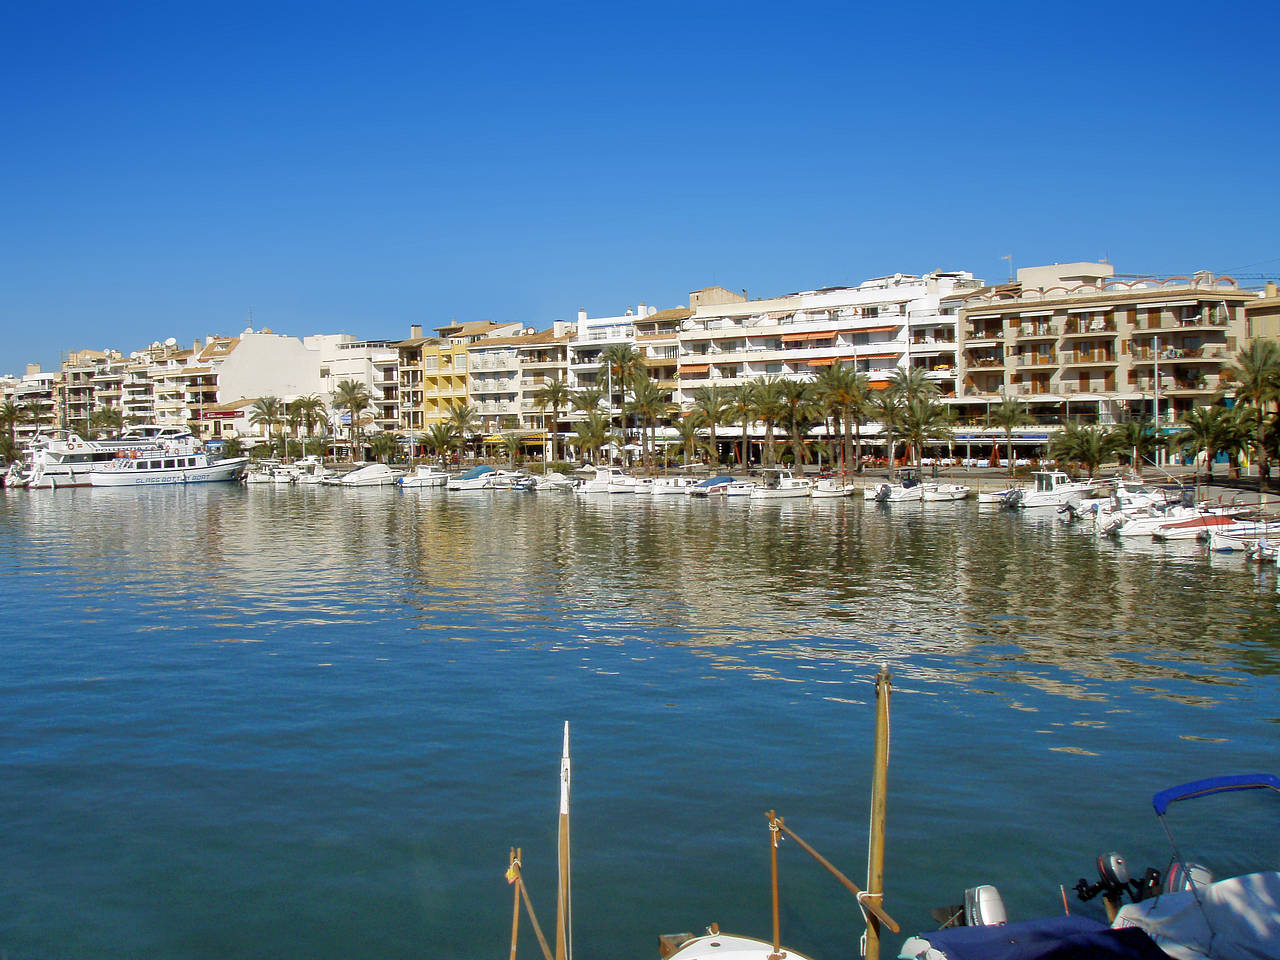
(879, 794)
(564, 901)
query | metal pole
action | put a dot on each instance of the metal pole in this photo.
(778, 953)
(879, 792)
(1156, 387)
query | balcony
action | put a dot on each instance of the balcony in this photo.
(1084, 327)
(1038, 331)
(985, 362)
(986, 333)
(1085, 357)
(1037, 360)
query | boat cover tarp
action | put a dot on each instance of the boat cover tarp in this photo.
(1072, 937)
(1203, 788)
(1237, 919)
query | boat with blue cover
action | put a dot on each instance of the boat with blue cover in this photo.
(1185, 914)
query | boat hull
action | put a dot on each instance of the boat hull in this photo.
(219, 471)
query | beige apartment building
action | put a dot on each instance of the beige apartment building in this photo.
(1075, 342)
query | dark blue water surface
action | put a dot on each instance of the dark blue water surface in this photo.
(311, 722)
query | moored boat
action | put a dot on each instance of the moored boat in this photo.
(161, 468)
(780, 484)
(370, 475)
(477, 478)
(945, 491)
(425, 475)
(831, 488)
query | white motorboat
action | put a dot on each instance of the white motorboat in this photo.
(738, 488)
(907, 489)
(261, 472)
(672, 486)
(555, 481)
(721, 946)
(477, 478)
(710, 487)
(944, 491)
(779, 484)
(1052, 488)
(370, 475)
(161, 468)
(608, 480)
(425, 475)
(1243, 537)
(995, 498)
(830, 488)
(310, 470)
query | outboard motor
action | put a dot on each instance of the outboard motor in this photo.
(883, 494)
(1114, 882)
(1012, 499)
(983, 907)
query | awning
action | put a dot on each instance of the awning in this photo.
(695, 368)
(880, 356)
(818, 335)
(1035, 313)
(822, 362)
(884, 329)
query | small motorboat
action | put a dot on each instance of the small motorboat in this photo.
(477, 478)
(425, 475)
(710, 487)
(779, 484)
(945, 491)
(370, 475)
(831, 488)
(672, 486)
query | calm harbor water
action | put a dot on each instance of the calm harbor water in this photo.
(310, 722)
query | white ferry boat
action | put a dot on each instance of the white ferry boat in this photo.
(57, 462)
(146, 469)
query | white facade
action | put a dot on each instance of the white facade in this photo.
(594, 336)
(268, 365)
(877, 328)
(374, 363)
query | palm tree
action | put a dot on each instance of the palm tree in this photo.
(10, 416)
(308, 411)
(742, 406)
(687, 429)
(649, 405)
(800, 412)
(107, 419)
(711, 404)
(266, 412)
(440, 438)
(1009, 414)
(511, 444)
(232, 447)
(33, 411)
(619, 362)
(556, 395)
(886, 406)
(593, 432)
(353, 397)
(1255, 377)
(384, 446)
(1138, 438)
(849, 393)
(912, 384)
(1210, 429)
(1087, 445)
(463, 419)
(924, 419)
(587, 399)
(769, 408)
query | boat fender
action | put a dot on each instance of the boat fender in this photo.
(984, 907)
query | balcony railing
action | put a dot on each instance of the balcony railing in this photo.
(1094, 325)
(1030, 330)
(1087, 356)
(1037, 360)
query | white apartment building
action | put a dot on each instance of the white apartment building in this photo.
(374, 363)
(493, 381)
(878, 327)
(594, 335)
(543, 357)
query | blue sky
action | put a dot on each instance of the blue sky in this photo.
(169, 167)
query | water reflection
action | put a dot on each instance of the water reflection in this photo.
(945, 595)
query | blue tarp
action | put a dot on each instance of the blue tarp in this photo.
(1071, 937)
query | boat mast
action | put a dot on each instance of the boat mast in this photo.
(564, 902)
(879, 792)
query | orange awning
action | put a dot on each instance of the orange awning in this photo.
(821, 335)
(877, 356)
(824, 362)
(880, 386)
(892, 326)
(696, 368)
